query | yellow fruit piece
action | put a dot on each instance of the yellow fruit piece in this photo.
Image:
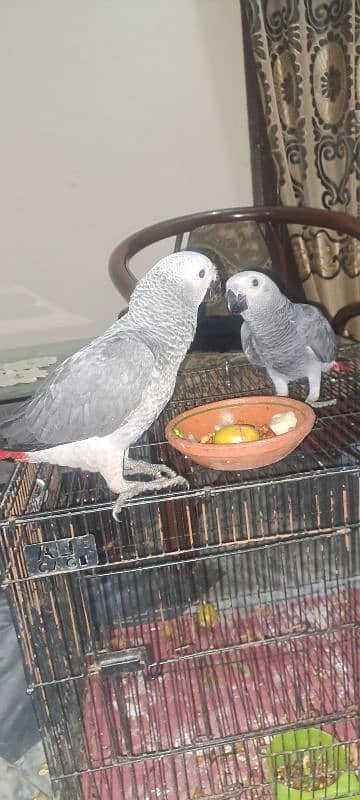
(235, 434)
(207, 615)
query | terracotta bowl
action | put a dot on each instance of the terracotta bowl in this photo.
(247, 455)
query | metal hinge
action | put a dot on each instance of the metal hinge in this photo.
(133, 659)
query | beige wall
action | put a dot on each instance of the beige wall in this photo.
(115, 113)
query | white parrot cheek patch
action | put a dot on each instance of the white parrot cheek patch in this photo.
(198, 286)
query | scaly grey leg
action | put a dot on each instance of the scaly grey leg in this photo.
(133, 466)
(280, 382)
(314, 376)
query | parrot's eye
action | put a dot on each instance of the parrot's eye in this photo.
(202, 273)
(255, 282)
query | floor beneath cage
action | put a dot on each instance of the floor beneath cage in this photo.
(27, 778)
(241, 675)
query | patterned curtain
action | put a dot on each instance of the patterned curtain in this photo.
(307, 55)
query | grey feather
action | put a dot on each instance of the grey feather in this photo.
(313, 327)
(248, 343)
(290, 340)
(89, 394)
(96, 404)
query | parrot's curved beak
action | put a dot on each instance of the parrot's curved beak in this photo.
(236, 303)
(214, 290)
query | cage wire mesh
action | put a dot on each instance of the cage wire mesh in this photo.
(165, 654)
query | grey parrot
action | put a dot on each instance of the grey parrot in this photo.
(99, 401)
(291, 340)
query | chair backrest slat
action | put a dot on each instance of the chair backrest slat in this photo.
(271, 216)
(277, 253)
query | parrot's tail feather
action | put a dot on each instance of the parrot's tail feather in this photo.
(340, 366)
(15, 455)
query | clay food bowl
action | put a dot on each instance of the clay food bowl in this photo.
(257, 410)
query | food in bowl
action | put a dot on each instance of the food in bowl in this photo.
(234, 434)
(192, 432)
(283, 422)
(238, 433)
(307, 774)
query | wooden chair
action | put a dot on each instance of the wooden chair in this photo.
(273, 218)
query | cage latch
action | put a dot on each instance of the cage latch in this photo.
(38, 496)
(133, 659)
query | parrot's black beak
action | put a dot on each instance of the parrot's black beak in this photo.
(236, 303)
(214, 290)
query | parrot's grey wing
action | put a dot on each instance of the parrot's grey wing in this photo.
(248, 343)
(89, 394)
(313, 327)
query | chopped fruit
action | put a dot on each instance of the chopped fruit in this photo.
(207, 438)
(179, 433)
(242, 432)
(266, 433)
(236, 434)
(283, 422)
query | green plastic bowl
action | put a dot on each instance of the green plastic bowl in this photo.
(285, 748)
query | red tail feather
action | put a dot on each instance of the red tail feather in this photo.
(15, 455)
(340, 366)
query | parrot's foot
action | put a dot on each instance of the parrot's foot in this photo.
(154, 471)
(314, 378)
(133, 489)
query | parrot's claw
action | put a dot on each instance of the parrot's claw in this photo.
(116, 514)
(130, 490)
(153, 471)
(160, 471)
(178, 480)
(165, 471)
(134, 489)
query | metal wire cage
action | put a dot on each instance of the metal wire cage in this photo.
(167, 653)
